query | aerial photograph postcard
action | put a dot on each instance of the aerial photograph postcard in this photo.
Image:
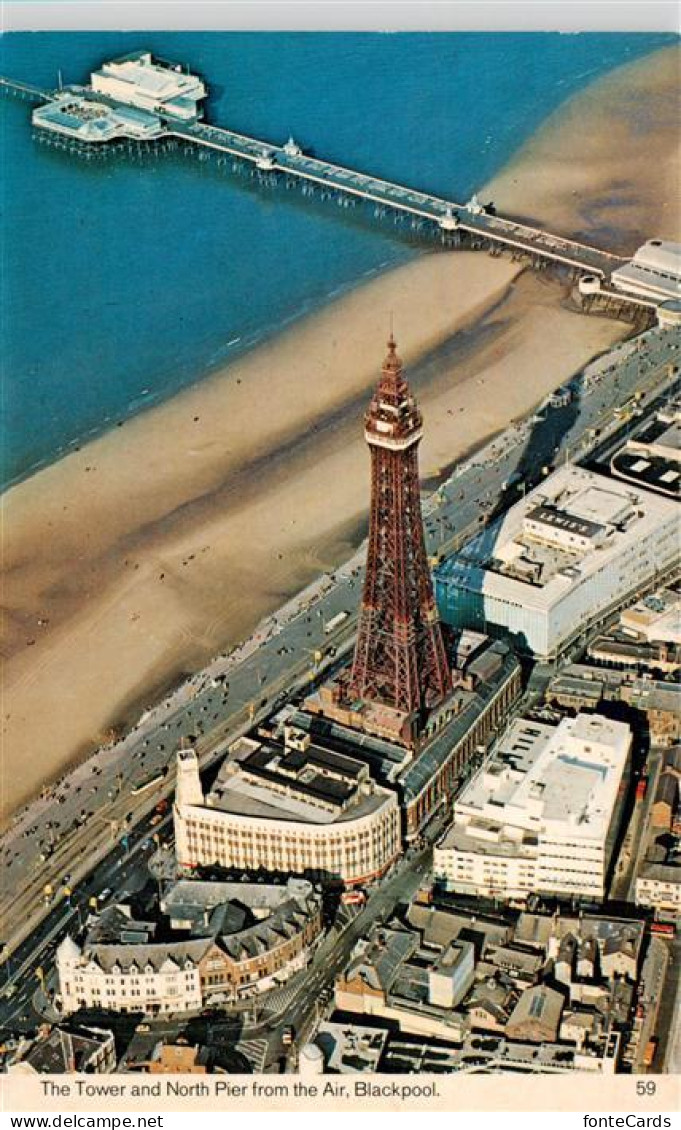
(341, 715)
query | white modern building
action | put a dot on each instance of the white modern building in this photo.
(296, 809)
(561, 559)
(150, 84)
(654, 272)
(80, 119)
(541, 814)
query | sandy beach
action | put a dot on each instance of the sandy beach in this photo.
(167, 539)
(606, 166)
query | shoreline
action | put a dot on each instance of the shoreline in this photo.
(155, 400)
(130, 617)
(615, 177)
(162, 542)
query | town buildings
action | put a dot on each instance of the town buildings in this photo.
(236, 941)
(392, 976)
(651, 457)
(541, 814)
(524, 992)
(658, 883)
(561, 559)
(646, 638)
(582, 686)
(65, 1048)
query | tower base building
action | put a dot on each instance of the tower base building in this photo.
(294, 809)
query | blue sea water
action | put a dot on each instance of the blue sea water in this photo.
(123, 282)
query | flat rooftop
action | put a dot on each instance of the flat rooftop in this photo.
(655, 466)
(349, 1047)
(657, 616)
(85, 119)
(509, 562)
(263, 779)
(543, 779)
(150, 75)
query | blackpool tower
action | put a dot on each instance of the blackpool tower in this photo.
(400, 659)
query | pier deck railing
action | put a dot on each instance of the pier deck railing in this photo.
(382, 193)
(23, 90)
(448, 215)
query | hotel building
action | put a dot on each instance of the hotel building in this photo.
(244, 939)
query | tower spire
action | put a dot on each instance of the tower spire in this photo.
(400, 659)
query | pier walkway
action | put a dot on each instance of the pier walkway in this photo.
(448, 215)
(23, 90)
(456, 223)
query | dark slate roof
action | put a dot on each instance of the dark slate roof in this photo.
(429, 761)
(379, 963)
(66, 1049)
(154, 955)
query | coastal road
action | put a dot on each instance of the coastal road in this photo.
(124, 870)
(59, 838)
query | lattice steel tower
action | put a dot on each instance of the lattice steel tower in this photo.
(400, 657)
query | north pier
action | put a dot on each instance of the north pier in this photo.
(142, 105)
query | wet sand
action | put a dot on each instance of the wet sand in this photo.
(166, 540)
(605, 167)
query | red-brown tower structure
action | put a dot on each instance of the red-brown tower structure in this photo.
(400, 658)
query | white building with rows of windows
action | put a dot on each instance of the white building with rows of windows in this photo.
(122, 978)
(294, 809)
(561, 559)
(227, 942)
(150, 84)
(542, 813)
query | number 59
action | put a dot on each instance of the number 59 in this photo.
(646, 1087)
